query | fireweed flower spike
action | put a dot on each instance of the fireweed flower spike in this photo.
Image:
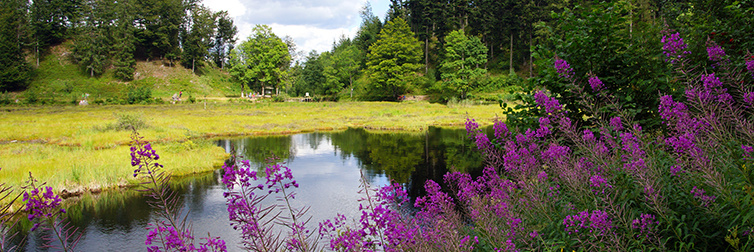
(674, 47)
(596, 83)
(563, 68)
(167, 234)
(44, 211)
(714, 51)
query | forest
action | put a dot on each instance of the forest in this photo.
(448, 50)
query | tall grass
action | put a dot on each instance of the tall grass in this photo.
(82, 168)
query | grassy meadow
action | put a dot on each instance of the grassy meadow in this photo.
(86, 147)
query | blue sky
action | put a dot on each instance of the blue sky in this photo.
(313, 24)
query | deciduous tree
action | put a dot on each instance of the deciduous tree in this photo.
(464, 62)
(261, 59)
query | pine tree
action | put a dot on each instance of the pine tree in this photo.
(124, 47)
(392, 59)
(225, 38)
(14, 70)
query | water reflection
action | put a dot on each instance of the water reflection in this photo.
(326, 165)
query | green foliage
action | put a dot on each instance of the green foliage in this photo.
(14, 71)
(392, 60)
(124, 46)
(197, 40)
(141, 94)
(463, 64)
(225, 38)
(598, 41)
(368, 31)
(90, 52)
(341, 67)
(260, 60)
(127, 122)
(5, 98)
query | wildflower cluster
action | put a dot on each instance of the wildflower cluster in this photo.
(674, 47)
(175, 240)
(42, 205)
(563, 68)
(44, 210)
(261, 225)
(169, 233)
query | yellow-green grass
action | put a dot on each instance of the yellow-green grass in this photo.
(76, 148)
(84, 126)
(78, 169)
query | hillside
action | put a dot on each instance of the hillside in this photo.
(59, 81)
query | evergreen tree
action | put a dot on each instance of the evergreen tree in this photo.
(124, 46)
(367, 33)
(92, 46)
(14, 70)
(50, 21)
(393, 59)
(197, 38)
(313, 74)
(158, 25)
(225, 38)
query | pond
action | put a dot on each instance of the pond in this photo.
(327, 166)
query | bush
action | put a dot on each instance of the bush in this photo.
(128, 121)
(5, 98)
(141, 94)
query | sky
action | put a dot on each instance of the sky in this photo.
(313, 24)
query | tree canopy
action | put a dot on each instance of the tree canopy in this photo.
(261, 60)
(465, 58)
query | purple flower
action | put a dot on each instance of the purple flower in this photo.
(551, 105)
(645, 224)
(710, 81)
(555, 152)
(471, 127)
(596, 222)
(589, 136)
(747, 150)
(596, 83)
(714, 51)
(501, 129)
(616, 123)
(41, 204)
(750, 66)
(482, 142)
(674, 47)
(599, 184)
(563, 68)
(705, 200)
(749, 97)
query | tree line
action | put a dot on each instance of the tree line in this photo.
(442, 48)
(110, 33)
(463, 44)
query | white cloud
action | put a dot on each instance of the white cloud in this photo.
(313, 24)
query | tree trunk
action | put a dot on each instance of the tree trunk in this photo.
(193, 66)
(531, 59)
(426, 51)
(511, 56)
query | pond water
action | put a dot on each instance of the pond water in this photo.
(328, 167)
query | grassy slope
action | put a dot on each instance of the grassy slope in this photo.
(58, 80)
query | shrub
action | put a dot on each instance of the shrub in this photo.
(137, 95)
